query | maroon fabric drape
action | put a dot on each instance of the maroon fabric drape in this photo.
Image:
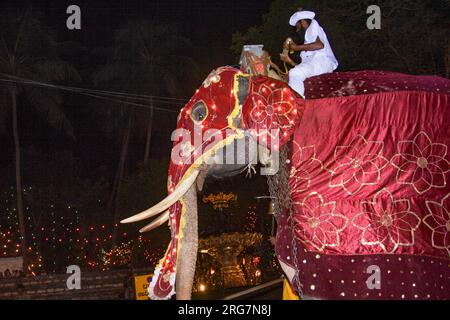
(369, 181)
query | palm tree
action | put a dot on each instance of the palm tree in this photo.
(146, 59)
(28, 50)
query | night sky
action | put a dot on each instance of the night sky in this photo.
(208, 24)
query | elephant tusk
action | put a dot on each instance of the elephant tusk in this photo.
(156, 223)
(181, 189)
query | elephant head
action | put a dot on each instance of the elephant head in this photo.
(230, 108)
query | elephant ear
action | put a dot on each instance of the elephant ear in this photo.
(272, 111)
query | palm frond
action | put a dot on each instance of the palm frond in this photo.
(4, 108)
(47, 103)
(55, 70)
(110, 72)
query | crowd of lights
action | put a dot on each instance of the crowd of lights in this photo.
(60, 237)
(251, 219)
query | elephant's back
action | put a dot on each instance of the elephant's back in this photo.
(369, 184)
(338, 84)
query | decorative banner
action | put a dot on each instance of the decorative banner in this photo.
(141, 284)
(220, 200)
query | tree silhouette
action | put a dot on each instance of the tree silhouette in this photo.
(28, 50)
(146, 59)
(414, 35)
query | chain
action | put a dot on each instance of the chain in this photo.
(279, 190)
(294, 253)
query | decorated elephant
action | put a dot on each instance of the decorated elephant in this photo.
(358, 170)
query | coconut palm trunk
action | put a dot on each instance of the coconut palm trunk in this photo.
(119, 177)
(19, 197)
(28, 50)
(148, 138)
(447, 61)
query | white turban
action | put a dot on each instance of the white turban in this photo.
(299, 15)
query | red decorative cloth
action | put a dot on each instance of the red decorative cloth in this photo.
(218, 96)
(368, 177)
(369, 180)
(338, 84)
(272, 109)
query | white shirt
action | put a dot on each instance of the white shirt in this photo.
(315, 30)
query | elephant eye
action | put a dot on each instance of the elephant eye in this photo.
(199, 112)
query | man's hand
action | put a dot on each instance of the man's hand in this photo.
(287, 59)
(287, 43)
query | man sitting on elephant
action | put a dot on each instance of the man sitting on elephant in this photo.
(316, 53)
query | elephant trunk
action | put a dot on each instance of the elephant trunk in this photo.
(187, 254)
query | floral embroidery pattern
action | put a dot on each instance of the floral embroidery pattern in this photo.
(317, 224)
(273, 108)
(304, 165)
(357, 165)
(421, 163)
(439, 222)
(386, 222)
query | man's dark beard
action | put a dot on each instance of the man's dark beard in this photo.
(301, 36)
(297, 37)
